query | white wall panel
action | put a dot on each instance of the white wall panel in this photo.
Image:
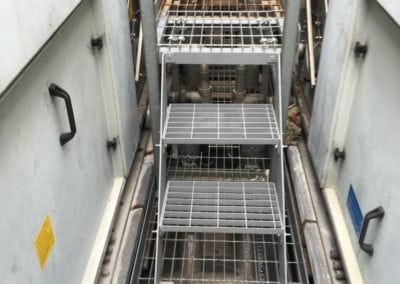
(356, 108)
(116, 27)
(335, 56)
(392, 7)
(25, 25)
(38, 176)
(372, 148)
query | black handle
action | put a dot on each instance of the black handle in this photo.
(56, 91)
(377, 213)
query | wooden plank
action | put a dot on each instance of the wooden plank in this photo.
(166, 5)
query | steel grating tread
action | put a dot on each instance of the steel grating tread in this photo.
(221, 31)
(221, 207)
(221, 124)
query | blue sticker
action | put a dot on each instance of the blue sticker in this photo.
(354, 210)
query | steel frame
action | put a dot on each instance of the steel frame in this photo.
(233, 52)
(220, 258)
(276, 168)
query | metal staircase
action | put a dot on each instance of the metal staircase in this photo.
(248, 34)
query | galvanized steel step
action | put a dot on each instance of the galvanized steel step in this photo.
(221, 124)
(221, 207)
(206, 32)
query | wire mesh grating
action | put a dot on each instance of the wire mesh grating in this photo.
(220, 258)
(220, 5)
(201, 28)
(229, 207)
(222, 79)
(221, 124)
(220, 30)
(220, 24)
(218, 163)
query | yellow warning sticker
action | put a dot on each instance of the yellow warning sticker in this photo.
(44, 242)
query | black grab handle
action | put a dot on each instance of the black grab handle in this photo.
(377, 213)
(56, 91)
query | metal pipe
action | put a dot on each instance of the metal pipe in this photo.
(240, 84)
(204, 76)
(266, 86)
(252, 77)
(190, 75)
(255, 98)
(139, 54)
(175, 95)
(176, 78)
(193, 97)
(289, 52)
(204, 85)
(310, 39)
(326, 7)
(152, 70)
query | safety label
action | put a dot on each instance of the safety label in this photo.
(44, 242)
(354, 210)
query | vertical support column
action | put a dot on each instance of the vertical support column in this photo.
(292, 13)
(162, 176)
(152, 70)
(277, 167)
(280, 178)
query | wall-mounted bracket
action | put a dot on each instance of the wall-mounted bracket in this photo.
(97, 43)
(339, 154)
(360, 50)
(112, 144)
